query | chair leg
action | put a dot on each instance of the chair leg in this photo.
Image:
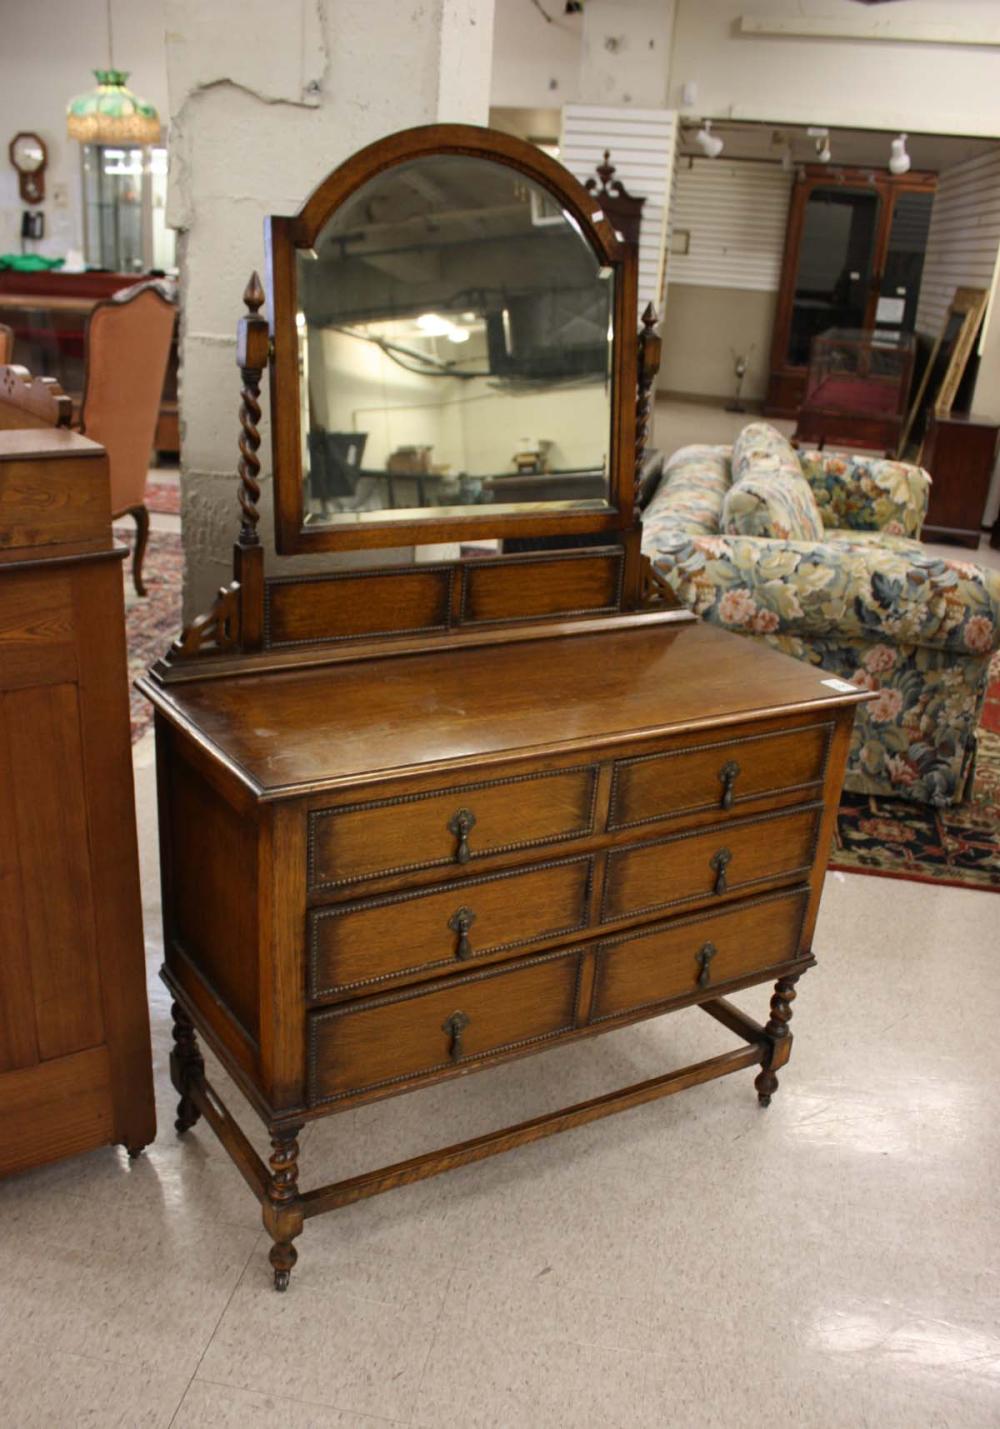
(141, 537)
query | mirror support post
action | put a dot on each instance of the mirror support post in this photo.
(252, 344)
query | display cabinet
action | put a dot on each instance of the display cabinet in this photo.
(427, 812)
(857, 389)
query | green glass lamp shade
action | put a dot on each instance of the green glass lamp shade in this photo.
(111, 113)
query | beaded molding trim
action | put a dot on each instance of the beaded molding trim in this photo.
(693, 921)
(795, 811)
(319, 915)
(407, 995)
(588, 553)
(456, 791)
(385, 573)
(622, 764)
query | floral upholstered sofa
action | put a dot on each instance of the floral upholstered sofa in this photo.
(817, 555)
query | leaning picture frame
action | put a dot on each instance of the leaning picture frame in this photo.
(954, 343)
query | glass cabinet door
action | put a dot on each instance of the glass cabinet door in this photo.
(899, 286)
(833, 283)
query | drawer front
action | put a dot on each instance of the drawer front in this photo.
(689, 868)
(359, 944)
(449, 826)
(374, 1044)
(721, 774)
(691, 955)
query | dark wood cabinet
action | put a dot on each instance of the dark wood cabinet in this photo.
(75, 1065)
(416, 821)
(959, 452)
(854, 253)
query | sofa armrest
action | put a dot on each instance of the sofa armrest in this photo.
(863, 493)
(822, 589)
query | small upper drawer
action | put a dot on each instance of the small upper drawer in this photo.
(353, 945)
(448, 826)
(401, 1037)
(691, 955)
(712, 863)
(721, 774)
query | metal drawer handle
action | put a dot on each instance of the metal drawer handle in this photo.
(705, 955)
(461, 825)
(460, 922)
(719, 862)
(454, 1026)
(728, 775)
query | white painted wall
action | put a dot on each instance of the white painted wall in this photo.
(938, 88)
(47, 52)
(265, 99)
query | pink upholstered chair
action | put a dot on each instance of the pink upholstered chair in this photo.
(127, 347)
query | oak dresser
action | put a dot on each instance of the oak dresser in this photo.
(425, 815)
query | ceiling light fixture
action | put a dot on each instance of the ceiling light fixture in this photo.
(823, 152)
(899, 159)
(110, 113)
(710, 144)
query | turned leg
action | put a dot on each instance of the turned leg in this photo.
(282, 1209)
(780, 1038)
(186, 1063)
(141, 515)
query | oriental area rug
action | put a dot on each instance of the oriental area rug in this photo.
(890, 838)
(151, 623)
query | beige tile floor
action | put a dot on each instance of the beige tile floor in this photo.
(831, 1262)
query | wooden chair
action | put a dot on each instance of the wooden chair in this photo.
(6, 344)
(127, 346)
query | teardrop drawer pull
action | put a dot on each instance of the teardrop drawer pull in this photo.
(705, 955)
(454, 1026)
(461, 825)
(728, 775)
(720, 862)
(460, 922)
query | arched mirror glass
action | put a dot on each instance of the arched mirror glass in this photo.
(454, 335)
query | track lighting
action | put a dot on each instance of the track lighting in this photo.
(899, 159)
(710, 144)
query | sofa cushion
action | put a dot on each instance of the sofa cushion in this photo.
(690, 493)
(769, 496)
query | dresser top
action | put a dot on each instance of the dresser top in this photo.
(288, 732)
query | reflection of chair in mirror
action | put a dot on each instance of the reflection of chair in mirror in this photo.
(335, 464)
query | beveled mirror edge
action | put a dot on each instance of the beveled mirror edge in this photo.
(284, 235)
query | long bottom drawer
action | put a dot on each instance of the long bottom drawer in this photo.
(381, 1044)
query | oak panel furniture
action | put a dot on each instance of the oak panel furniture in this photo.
(853, 257)
(959, 452)
(421, 818)
(75, 1063)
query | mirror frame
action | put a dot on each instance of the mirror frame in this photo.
(285, 236)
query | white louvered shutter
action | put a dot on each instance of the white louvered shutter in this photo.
(964, 237)
(642, 143)
(731, 218)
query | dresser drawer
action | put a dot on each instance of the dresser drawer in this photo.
(697, 867)
(404, 1036)
(356, 944)
(717, 774)
(449, 826)
(695, 954)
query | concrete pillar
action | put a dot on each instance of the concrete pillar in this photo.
(265, 99)
(625, 56)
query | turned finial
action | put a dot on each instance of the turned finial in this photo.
(650, 317)
(253, 294)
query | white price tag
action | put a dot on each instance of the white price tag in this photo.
(843, 687)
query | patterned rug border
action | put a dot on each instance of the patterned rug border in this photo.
(969, 884)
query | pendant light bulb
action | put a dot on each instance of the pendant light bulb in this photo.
(899, 159)
(710, 144)
(823, 152)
